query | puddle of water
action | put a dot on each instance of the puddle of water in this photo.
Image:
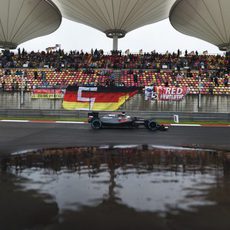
(143, 191)
(149, 182)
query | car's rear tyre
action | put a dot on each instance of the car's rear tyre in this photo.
(96, 124)
(152, 125)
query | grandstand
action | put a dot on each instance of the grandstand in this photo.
(59, 69)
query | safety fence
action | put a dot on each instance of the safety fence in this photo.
(191, 103)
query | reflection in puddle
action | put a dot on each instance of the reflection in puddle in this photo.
(140, 180)
(70, 190)
(143, 191)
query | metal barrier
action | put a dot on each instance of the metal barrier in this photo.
(191, 104)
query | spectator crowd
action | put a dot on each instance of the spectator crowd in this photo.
(204, 73)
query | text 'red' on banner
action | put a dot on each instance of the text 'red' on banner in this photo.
(171, 93)
(97, 98)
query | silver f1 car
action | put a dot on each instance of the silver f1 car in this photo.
(122, 120)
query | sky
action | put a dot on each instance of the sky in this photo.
(160, 36)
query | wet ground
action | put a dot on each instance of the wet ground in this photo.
(124, 187)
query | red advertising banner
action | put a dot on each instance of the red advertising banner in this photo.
(47, 93)
(171, 93)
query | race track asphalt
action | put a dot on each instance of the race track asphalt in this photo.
(15, 137)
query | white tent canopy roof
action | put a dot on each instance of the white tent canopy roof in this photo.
(208, 20)
(115, 16)
(22, 20)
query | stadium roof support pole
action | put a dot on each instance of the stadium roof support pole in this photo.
(115, 35)
(115, 43)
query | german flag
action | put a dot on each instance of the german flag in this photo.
(97, 98)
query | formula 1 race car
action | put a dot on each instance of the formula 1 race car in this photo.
(122, 120)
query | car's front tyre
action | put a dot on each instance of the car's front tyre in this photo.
(152, 125)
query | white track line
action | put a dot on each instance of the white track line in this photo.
(17, 121)
(196, 125)
(70, 122)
